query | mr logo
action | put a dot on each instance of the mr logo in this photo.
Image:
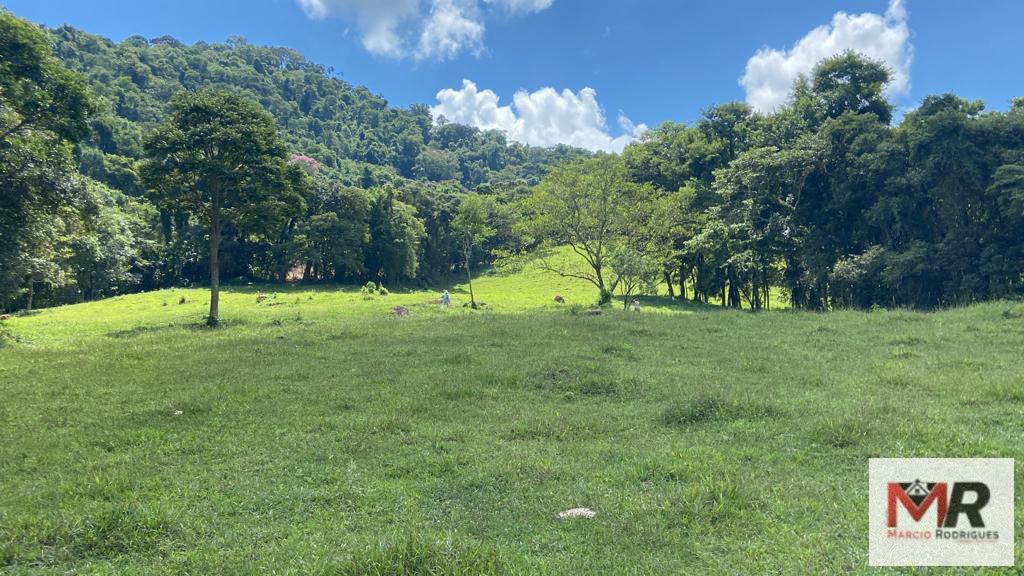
(956, 512)
(917, 497)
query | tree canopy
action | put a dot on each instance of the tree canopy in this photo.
(219, 157)
(149, 163)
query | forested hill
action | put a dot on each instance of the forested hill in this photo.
(110, 155)
(79, 223)
(344, 127)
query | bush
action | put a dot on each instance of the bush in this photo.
(369, 289)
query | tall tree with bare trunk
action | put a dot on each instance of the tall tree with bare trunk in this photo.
(219, 158)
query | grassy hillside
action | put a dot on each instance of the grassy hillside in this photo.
(315, 433)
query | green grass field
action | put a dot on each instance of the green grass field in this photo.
(315, 433)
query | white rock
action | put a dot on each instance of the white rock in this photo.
(577, 513)
(178, 412)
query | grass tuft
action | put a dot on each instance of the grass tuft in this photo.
(842, 432)
(418, 555)
(711, 407)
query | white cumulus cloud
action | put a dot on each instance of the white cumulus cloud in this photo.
(523, 6)
(424, 29)
(378, 20)
(453, 25)
(770, 72)
(542, 118)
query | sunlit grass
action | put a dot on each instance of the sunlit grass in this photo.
(316, 433)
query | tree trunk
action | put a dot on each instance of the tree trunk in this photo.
(700, 289)
(755, 294)
(31, 295)
(469, 276)
(682, 281)
(214, 318)
(668, 282)
(734, 290)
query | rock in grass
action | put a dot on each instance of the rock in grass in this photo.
(577, 513)
(400, 311)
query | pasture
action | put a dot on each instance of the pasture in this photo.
(316, 433)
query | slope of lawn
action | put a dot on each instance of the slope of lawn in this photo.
(315, 433)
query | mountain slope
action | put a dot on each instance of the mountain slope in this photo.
(322, 116)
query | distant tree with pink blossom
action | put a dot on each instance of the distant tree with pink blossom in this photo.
(310, 165)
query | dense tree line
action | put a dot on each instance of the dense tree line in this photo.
(81, 115)
(109, 186)
(825, 199)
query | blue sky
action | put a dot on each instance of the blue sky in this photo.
(643, 61)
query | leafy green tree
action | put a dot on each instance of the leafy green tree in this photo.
(44, 109)
(395, 237)
(583, 205)
(438, 165)
(472, 229)
(109, 254)
(759, 191)
(851, 82)
(220, 158)
(436, 205)
(338, 232)
(635, 272)
(36, 91)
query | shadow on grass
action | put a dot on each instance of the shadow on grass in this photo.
(199, 325)
(707, 408)
(290, 288)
